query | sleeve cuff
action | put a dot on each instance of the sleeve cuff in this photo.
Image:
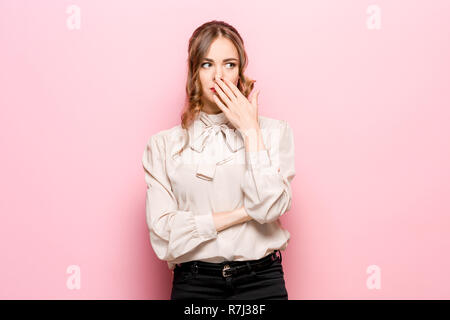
(205, 226)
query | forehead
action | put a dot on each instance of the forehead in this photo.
(222, 48)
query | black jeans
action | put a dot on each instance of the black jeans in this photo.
(262, 284)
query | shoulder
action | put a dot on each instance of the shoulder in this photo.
(277, 134)
(273, 126)
(164, 142)
(167, 136)
(271, 123)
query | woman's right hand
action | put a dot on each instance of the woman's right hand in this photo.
(226, 219)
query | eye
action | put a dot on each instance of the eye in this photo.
(232, 64)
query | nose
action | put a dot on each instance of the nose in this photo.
(218, 72)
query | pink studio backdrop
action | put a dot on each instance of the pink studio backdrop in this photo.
(369, 108)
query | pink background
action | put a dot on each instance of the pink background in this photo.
(369, 110)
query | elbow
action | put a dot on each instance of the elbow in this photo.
(269, 209)
(159, 246)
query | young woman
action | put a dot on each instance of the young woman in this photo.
(219, 181)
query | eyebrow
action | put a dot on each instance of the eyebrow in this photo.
(228, 59)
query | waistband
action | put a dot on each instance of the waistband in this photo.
(228, 268)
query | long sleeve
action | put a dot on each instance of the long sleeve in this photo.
(173, 232)
(266, 183)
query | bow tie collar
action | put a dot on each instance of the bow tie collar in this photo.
(203, 131)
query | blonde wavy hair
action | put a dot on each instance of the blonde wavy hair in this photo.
(199, 44)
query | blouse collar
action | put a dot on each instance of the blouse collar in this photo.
(206, 126)
(213, 118)
(202, 132)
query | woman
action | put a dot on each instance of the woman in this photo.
(219, 181)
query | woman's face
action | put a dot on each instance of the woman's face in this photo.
(222, 60)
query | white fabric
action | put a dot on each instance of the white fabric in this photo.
(213, 174)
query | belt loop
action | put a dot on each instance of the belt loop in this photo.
(281, 258)
(252, 272)
(274, 256)
(194, 267)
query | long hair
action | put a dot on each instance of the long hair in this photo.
(199, 44)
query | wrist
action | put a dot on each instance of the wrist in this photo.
(243, 215)
(253, 140)
(225, 219)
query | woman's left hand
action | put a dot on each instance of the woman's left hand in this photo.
(242, 113)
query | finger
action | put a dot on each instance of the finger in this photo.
(226, 89)
(222, 95)
(233, 88)
(255, 97)
(221, 106)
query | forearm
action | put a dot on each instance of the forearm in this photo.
(226, 219)
(253, 140)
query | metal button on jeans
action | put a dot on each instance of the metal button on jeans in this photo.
(225, 268)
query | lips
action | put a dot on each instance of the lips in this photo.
(213, 89)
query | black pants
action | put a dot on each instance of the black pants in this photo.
(266, 284)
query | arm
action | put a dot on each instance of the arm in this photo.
(226, 219)
(272, 204)
(253, 140)
(173, 232)
(267, 180)
(223, 220)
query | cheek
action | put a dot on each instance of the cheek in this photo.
(236, 80)
(203, 83)
(202, 77)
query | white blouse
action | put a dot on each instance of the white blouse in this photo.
(215, 173)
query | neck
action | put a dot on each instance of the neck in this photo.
(209, 112)
(207, 108)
